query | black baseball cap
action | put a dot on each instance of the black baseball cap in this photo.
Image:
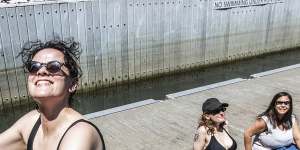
(212, 104)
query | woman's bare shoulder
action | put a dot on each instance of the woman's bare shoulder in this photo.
(202, 130)
(83, 132)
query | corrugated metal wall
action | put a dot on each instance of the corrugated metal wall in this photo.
(133, 39)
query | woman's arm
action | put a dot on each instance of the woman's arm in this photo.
(200, 138)
(17, 134)
(258, 127)
(11, 139)
(296, 133)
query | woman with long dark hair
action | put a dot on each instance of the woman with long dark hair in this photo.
(212, 132)
(275, 128)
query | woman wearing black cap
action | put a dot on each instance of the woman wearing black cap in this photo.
(211, 133)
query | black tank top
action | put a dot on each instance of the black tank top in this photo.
(215, 145)
(38, 123)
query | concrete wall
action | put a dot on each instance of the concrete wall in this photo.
(125, 40)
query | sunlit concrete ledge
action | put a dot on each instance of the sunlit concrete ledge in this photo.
(261, 74)
(120, 108)
(203, 88)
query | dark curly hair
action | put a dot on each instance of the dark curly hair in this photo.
(69, 48)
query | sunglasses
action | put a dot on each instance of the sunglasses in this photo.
(283, 102)
(218, 110)
(51, 66)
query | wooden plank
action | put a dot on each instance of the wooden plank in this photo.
(104, 49)
(137, 38)
(104, 40)
(202, 27)
(9, 91)
(56, 20)
(48, 22)
(81, 14)
(177, 34)
(64, 20)
(72, 21)
(118, 41)
(15, 49)
(253, 45)
(167, 35)
(131, 39)
(24, 37)
(111, 41)
(160, 36)
(194, 33)
(156, 42)
(3, 78)
(30, 21)
(269, 25)
(188, 37)
(142, 33)
(40, 27)
(172, 35)
(296, 26)
(124, 40)
(97, 43)
(233, 34)
(90, 49)
(150, 35)
(185, 43)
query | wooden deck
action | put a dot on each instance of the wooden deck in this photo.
(170, 124)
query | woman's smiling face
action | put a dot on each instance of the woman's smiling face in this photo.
(43, 85)
(282, 105)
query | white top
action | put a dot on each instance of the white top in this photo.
(274, 138)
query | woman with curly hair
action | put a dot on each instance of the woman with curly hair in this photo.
(276, 128)
(53, 73)
(212, 132)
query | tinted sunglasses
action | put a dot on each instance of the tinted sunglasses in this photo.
(51, 66)
(283, 102)
(218, 110)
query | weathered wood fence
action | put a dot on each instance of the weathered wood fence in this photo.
(131, 39)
